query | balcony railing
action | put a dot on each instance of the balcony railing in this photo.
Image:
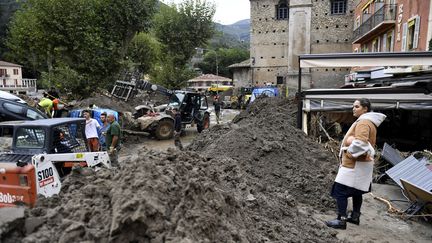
(386, 13)
(24, 84)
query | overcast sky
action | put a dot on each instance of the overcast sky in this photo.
(227, 11)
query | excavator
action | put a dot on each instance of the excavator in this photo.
(37, 154)
(158, 121)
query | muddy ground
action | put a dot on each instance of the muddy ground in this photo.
(258, 179)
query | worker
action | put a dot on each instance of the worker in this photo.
(354, 177)
(46, 104)
(113, 139)
(61, 145)
(103, 130)
(91, 131)
(53, 94)
(57, 108)
(177, 128)
(217, 107)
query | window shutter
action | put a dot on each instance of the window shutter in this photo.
(391, 47)
(385, 42)
(404, 36)
(416, 32)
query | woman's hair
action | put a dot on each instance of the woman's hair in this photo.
(365, 103)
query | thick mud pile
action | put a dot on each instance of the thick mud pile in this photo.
(276, 156)
(257, 180)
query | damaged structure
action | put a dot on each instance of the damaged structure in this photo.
(406, 101)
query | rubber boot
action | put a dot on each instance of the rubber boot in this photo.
(354, 218)
(338, 223)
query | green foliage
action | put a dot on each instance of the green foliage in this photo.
(66, 79)
(144, 51)
(180, 29)
(225, 57)
(89, 37)
(170, 75)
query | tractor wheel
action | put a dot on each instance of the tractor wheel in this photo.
(164, 130)
(205, 124)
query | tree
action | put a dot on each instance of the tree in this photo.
(430, 45)
(87, 37)
(180, 29)
(144, 51)
(225, 57)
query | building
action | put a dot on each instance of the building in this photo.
(242, 74)
(203, 82)
(392, 25)
(283, 29)
(11, 79)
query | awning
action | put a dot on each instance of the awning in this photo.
(365, 59)
(382, 98)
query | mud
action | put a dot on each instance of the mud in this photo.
(257, 179)
(104, 101)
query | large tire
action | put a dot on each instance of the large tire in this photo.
(205, 124)
(164, 130)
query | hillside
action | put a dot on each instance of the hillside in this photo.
(234, 35)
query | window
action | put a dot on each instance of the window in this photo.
(15, 72)
(376, 45)
(3, 72)
(413, 33)
(338, 6)
(282, 10)
(30, 138)
(33, 115)
(17, 109)
(279, 80)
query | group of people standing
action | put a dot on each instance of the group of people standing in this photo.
(105, 137)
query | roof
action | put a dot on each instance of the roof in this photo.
(42, 122)
(209, 77)
(244, 64)
(9, 64)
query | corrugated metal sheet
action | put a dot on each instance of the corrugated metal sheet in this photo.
(391, 155)
(413, 171)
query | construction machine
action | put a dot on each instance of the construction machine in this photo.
(158, 121)
(40, 153)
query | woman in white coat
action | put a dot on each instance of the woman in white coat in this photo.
(354, 177)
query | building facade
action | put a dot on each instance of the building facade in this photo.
(392, 25)
(281, 30)
(11, 79)
(205, 81)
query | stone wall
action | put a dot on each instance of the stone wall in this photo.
(310, 28)
(269, 42)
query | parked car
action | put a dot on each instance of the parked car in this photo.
(12, 97)
(11, 111)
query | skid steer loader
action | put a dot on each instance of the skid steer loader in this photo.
(40, 153)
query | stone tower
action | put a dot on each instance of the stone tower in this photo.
(283, 29)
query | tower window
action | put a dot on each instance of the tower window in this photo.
(338, 6)
(282, 10)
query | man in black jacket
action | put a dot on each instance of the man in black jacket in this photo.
(177, 128)
(217, 107)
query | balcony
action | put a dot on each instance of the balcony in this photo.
(383, 19)
(18, 85)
